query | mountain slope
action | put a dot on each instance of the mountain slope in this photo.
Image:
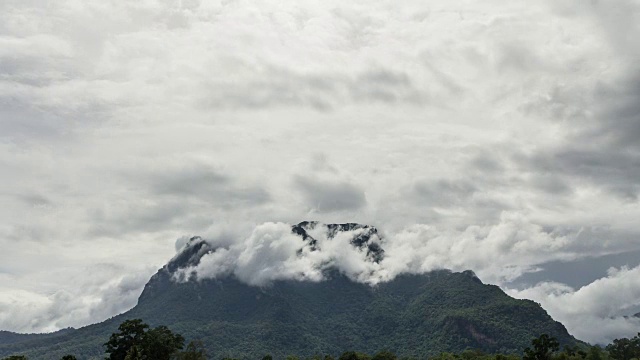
(413, 315)
(7, 337)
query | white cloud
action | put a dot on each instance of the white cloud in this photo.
(272, 252)
(106, 294)
(498, 253)
(594, 312)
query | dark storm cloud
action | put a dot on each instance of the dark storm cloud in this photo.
(328, 195)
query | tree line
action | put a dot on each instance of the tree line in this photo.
(135, 340)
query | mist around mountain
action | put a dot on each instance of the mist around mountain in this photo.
(328, 311)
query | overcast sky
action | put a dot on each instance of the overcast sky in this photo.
(497, 136)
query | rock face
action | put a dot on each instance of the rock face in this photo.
(412, 315)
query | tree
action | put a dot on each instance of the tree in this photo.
(625, 349)
(543, 348)
(384, 355)
(470, 354)
(135, 342)
(352, 355)
(160, 343)
(595, 353)
(68, 357)
(130, 333)
(16, 357)
(573, 352)
(134, 353)
(446, 356)
(195, 351)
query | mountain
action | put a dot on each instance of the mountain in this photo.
(413, 315)
(7, 337)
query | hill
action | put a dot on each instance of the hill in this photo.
(413, 315)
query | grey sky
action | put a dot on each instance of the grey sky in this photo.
(496, 136)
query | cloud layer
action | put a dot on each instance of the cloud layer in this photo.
(272, 252)
(495, 136)
(592, 311)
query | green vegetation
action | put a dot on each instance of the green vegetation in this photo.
(195, 351)
(414, 316)
(134, 341)
(625, 349)
(543, 348)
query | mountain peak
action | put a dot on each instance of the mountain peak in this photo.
(189, 255)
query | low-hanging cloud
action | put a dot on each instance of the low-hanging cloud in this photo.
(597, 312)
(498, 253)
(273, 252)
(99, 297)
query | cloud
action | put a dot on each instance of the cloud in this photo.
(591, 312)
(104, 295)
(600, 148)
(330, 195)
(324, 92)
(273, 252)
(206, 183)
(443, 192)
(499, 253)
(174, 191)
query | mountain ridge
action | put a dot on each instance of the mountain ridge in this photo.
(413, 315)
